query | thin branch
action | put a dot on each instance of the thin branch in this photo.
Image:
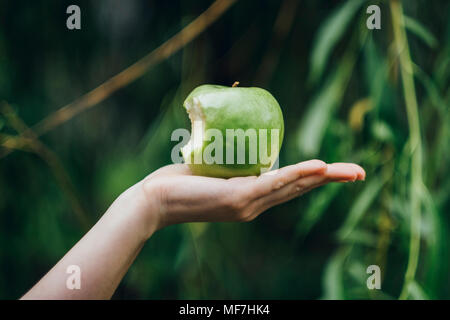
(13, 142)
(32, 143)
(133, 72)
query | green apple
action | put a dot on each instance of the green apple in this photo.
(236, 131)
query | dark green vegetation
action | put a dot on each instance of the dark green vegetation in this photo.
(348, 94)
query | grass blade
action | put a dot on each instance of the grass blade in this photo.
(420, 31)
(360, 206)
(329, 35)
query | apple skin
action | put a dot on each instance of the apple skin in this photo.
(235, 108)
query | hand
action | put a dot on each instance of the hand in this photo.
(177, 196)
(172, 195)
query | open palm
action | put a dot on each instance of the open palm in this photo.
(184, 197)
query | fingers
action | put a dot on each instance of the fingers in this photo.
(274, 180)
(335, 172)
(345, 171)
(277, 179)
(294, 189)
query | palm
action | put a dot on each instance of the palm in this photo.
(188, 198)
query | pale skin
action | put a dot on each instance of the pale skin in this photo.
(172, 195)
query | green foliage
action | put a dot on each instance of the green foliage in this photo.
(421, 31)
(344, 97)
(331, 31)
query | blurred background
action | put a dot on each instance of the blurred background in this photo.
(379, 98)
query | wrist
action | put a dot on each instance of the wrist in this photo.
(141, 211)
(150, 191)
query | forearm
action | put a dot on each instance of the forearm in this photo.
(104, 254)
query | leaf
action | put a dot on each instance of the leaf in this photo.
(382, 132)
(420, 31)
(360, 206)
(375, 71)
(317, 207)
(330, 32)
(357, 112)
(319, 111)
(437, 254)
(441, 70)
(333, 279)
(357, 271)
(155, 145)
(416, 291)
(362, 237)
(431, 89)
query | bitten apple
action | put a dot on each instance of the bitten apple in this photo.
(236, 131)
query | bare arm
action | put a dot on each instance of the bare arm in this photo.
(168, 196)
(103, 255)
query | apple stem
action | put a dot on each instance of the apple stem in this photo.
(235, 84)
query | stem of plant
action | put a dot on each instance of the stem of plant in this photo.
(406, 68)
